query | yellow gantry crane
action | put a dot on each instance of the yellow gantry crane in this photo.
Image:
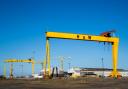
(105, 37)
(14, 61)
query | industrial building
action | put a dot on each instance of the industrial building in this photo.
(95, 72)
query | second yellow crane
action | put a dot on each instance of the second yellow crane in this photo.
(14, 61)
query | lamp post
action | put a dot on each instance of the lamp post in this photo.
(102, 60)
(69, 63)
(22, 70)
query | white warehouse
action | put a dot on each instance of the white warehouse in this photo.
(94, 72)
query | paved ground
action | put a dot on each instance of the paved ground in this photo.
(87, 83)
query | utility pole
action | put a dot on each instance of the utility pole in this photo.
(69, 64)
(62, 63)
(102, 60)
(61, 58)
(33, 56)
(22, 69)
(11, 71)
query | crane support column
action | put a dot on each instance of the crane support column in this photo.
(11, 71)
(4, 70)
(48, 73)
(115, 73)
(33, 67)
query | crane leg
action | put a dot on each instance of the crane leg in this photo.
(49, 66)
(115, 73)
(47, 73)
(4, 70)
(32, 68)
(11, 71)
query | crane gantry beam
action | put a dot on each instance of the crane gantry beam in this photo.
(81, 37)
(113, 40)
(15, 60)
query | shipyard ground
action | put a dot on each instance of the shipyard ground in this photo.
(86, 83)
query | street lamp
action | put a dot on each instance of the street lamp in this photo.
(69, 64)
(102, 60)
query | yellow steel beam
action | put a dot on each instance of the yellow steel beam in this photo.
(113, 40)
(33, 64)
(15, 60)
(115, 73)
(4, 70)
(47, 60)
(11, 71)
(49, 66)
(81, 37)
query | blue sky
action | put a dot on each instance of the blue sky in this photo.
(23, 24)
